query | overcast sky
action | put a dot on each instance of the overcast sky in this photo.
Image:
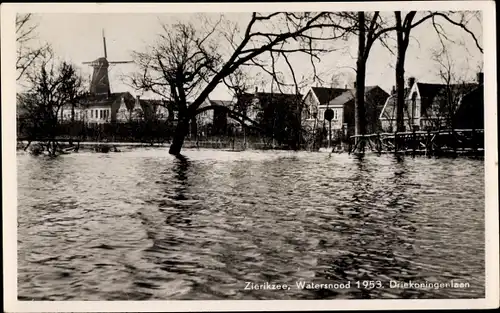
(77, 38)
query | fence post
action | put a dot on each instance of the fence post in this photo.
(473, 140)
(395, 142)
(414, 141)
(379, 143)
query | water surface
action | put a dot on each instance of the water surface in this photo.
(143, 225)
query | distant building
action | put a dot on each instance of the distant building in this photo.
(341, 101)
(435, 106)
(100, 109)
(316, 100)
(151, 109)
(276, 114)
(117, 107)
(257, 105)
(218, 118)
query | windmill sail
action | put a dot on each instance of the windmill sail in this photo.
(100, 79)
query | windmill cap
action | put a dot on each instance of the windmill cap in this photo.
(98, 62)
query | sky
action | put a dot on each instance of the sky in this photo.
(77, 37)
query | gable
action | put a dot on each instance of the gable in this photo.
(326, 94)
(389, 109)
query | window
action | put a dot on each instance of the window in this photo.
(92, 113)
(414, 105)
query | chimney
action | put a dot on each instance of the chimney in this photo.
(256, 89)
(393, 91)
(480, 78)
(411, 81)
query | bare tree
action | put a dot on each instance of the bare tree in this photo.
(190, 63)
(448, 99)
(369, 29)
(403, 27)
(27, 50)
(52, 85)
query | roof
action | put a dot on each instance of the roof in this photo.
(104, 99)
(389, 110)
(429, 94)
(266, 100)
(150, 106)
(325, 94)
(348, 95)
(430, 91)
(433, 93)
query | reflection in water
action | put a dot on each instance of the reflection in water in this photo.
(144, 225)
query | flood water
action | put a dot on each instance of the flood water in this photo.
(144, 225)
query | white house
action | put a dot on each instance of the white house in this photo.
(316, 102)
(341, 101)
(427, 105)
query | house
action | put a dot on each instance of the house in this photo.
(342, 102)
(276, 114)
(117, 107)
(470, 114)
(100, 108)
(436, 106)
(257, 105)
(151, 109)
(316, 99)
(218, 118)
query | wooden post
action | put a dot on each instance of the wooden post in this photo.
(414, 141)
(395, 142)
(244, 138)
(329, 133)
(428, 146)
(453, 138)
(379, 144)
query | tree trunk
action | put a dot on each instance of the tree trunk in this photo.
(360, 118)
(400, 86)
(181, 131)
(359, 114)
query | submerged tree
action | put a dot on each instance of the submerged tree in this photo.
(52, 85)
(403, 27)
(187, 63)
(373, 27)
(369, 28)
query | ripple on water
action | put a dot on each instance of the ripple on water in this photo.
(143, 225)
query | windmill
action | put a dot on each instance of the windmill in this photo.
(100, 78)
